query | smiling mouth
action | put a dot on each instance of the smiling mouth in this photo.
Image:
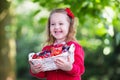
(57, 32)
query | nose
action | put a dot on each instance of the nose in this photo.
(57, 26)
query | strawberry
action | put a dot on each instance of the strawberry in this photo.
(56, 51)
(34, 56)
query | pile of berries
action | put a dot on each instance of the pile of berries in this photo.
(53, 52)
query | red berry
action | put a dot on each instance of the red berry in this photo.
(34, 56)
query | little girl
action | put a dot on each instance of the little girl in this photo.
(61, 30)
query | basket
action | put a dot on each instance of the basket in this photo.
(48, 63)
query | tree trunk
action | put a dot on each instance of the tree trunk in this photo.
(7, 44)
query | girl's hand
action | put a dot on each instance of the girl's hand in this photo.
(35, 68)
(64, 65)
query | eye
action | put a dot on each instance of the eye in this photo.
(60, 23)
(52, 24)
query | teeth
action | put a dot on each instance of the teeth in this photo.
(58, 31)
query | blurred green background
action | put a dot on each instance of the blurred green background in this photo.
(22, 30)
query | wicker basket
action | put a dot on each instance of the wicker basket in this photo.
(48, 63)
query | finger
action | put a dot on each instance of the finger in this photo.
(30, 62)
(39, 69)
(68, 58)
(37, 66)
(59, 64)
(59, 61)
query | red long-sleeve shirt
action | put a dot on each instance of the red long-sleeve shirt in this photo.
(76, 72)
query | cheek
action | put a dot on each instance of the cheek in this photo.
(51, 30)
(67, 32)
(67, 29)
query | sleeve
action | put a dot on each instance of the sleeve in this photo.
(40, 74)
(78, 65)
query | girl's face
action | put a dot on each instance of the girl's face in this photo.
(59, 26)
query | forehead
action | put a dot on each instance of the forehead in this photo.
(58, 17)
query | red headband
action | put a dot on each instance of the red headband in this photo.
(69, 13)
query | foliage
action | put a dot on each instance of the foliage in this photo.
(98, 32)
